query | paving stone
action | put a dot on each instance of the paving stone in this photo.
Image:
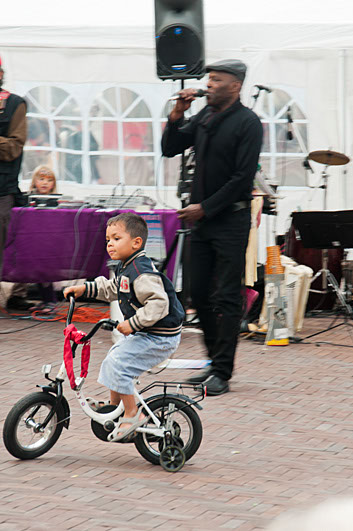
(281, 439)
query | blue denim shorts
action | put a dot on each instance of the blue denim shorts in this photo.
(133, 355)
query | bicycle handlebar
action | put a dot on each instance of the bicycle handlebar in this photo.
(108, 324)
(71, 309)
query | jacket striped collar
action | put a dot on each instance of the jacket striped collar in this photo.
(131, 258)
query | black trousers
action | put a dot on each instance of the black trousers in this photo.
(218, 249)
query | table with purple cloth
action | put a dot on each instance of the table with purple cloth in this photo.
(50, 245)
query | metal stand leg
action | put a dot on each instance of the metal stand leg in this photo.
(181, 235)
(332, 282)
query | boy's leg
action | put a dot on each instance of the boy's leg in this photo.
(115, 398)
(130, 410)
(128, 359)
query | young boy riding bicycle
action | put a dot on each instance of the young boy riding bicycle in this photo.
(152, 312)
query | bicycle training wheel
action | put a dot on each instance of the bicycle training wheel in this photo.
(20, 434)
(186, 430)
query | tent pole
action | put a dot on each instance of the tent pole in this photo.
(342, 122)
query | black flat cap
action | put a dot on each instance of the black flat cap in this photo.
(231, 66)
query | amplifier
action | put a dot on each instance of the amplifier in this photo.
(44, 201)
(119, 201)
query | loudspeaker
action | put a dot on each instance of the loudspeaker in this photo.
(179, 32)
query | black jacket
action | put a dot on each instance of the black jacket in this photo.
(9, 170)
(227, 147)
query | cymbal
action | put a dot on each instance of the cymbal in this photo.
(330, 158)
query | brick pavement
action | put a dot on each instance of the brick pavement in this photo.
(282, 438)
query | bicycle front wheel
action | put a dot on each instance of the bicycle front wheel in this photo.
(21, 435)
(186, 429)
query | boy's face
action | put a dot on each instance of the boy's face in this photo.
(120, 245)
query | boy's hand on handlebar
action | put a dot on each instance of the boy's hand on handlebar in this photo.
(77, 291)
(125, 328)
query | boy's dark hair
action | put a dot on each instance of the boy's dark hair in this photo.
(135, 225)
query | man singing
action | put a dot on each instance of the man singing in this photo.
(227, 138)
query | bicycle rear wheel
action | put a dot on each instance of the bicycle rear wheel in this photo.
(21, 436)
(186, 429)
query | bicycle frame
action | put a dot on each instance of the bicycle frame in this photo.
(56, 387)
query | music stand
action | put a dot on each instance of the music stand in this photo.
(325, 230)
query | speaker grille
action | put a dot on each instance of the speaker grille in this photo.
(179, 53)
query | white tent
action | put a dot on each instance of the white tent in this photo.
(70, 74)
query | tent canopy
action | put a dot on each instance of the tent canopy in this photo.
(309, 64)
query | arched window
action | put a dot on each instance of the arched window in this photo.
(54, 133)
(285, 143)
(121, 139)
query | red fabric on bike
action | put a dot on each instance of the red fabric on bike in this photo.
(72, 334)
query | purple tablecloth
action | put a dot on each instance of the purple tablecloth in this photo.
(49, 245)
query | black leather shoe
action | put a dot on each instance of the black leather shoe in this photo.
(201, 377)
(216, 386)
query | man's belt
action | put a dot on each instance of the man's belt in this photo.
(239, 205)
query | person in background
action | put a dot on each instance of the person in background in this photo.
(44, 182)
(227, 138)
(13, 132)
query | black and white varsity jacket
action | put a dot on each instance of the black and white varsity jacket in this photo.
(146, 297)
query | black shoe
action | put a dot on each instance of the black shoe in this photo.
(216, 386)
(201, 377)
(18, 303)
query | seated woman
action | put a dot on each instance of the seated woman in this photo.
(44, 183)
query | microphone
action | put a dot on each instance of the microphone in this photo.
(289, 124)
(262, 87)
(198, 94)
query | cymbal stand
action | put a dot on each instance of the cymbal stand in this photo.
(324, 176)
(324, 271)
(328, 279)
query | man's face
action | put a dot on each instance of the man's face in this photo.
(222, 88)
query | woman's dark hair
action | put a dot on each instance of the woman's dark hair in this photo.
(135, 225)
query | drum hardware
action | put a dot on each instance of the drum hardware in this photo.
(327, 230)
(347, 277)
(328, 158)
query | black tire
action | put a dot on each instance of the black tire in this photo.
(20, 439)
(187, 428)
(172, 458)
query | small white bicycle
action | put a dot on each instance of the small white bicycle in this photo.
(170, 436)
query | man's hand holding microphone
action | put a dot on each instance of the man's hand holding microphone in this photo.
(183, 100)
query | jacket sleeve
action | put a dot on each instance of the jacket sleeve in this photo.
(11, 146)
(150, 292)
(103, 289)
(178, 136)
(246, 160)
